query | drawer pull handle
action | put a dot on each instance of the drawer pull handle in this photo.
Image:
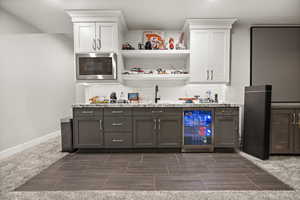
(117, 140)
(87, 112)
(154, 120)
(117, 111)
(158, 124)
(298, 120)
(294, 118)
(100, 124)
(157, 111)
(117, 124)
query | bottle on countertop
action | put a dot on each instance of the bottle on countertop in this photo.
(208, 92)
(122, 98)
(113, 97)
(216, 100)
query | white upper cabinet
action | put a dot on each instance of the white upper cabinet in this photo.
(219, 56)
(210, 50)
(209, 59)
(105, 34)
(199, 56)
(94, 37)
(84, 37)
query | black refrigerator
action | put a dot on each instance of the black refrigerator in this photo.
(257, 115)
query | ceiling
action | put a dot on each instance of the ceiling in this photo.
(49, 15)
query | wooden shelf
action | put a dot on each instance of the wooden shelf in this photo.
(156, 77)
(167, 54)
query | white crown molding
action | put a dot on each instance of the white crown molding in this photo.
(21, 147)
(207, 23)
(95, 15)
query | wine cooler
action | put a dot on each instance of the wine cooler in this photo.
(198, 134)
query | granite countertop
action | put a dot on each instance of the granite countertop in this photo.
(176, 105)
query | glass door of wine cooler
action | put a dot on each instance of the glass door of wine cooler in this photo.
(198, 130)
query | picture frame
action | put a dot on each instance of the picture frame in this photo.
(156, 38)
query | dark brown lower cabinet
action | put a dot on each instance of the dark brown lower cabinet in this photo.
(88, 132)
(144, 132)
(146, 128)
(169, 131)
(281, 131)
(156, 128)
(285, 138)
(226, 128)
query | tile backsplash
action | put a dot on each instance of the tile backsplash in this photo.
(166, 92)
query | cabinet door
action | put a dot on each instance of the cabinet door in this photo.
(169, 132)
(105, 36)
(219, 56)
(84, 37)
(199, 57)
(297, 133)
(281, 131)
(226, 131)
(88, 133)
(144, 132)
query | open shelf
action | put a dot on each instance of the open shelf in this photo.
(155, 53)
(156, 77)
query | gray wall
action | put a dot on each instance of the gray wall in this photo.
(36, 82)
(276, 61)
(11, 24)
(240, 63)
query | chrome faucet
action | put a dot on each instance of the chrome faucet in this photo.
(156, 94)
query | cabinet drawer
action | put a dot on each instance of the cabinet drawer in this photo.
(227, 111)
(87, 112)
(117, 124)
(117, 111)
(173, 111)
(118, 140)
(157, 111)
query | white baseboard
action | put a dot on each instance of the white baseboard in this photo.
(21, 147)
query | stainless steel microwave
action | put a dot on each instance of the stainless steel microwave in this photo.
(96, 66)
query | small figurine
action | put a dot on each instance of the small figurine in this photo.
(141, 46)
(127, 46)
(171, 43)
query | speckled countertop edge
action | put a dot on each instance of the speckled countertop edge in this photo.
(285, 105)
(159, 105)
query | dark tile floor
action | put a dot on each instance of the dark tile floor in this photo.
(153, 171)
